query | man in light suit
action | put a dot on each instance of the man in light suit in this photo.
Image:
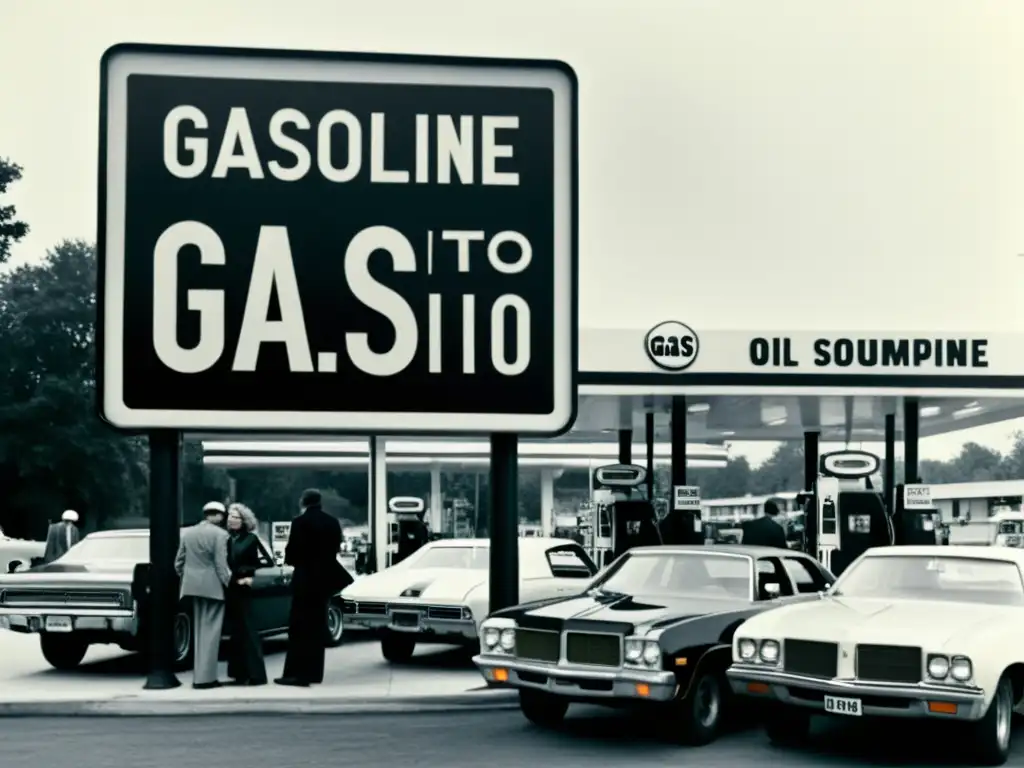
(62, 536)
(202, 566)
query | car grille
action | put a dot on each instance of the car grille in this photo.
(586, 648)
(889, 663)
(805, 657)
(444, 612)
(48, 597)
(538, 645)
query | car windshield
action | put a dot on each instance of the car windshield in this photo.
(956, 579)
(452, 557)
(105, 548)
(689, 573)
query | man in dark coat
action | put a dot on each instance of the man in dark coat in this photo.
(766, 531)
(312, 550)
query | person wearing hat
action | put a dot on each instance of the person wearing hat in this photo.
(62, 536)
(202, 567)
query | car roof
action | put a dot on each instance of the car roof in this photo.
(985, 552)
(727, 549)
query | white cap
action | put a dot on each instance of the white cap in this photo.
(214, 506)
(69, 516)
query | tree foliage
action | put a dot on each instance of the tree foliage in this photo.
(11, 229)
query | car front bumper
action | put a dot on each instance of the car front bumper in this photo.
(31, 620)
(579, 682)
(879, 699)
(427, 628)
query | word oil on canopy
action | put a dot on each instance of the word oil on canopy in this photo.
(365, 243)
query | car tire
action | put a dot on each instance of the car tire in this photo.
(991, 736)
(184, 639)
(697, 717)
(335, 624)
(543, 709)
(397, 648)
(787, 726)
(63, 652)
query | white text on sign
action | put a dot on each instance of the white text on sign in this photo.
(273, 270)
(443, 143)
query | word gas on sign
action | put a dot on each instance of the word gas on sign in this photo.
(672, 346)
(345, 242)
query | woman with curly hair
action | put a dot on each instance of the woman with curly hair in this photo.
(245, 648)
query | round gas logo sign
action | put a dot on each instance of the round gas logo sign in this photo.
(672, 346)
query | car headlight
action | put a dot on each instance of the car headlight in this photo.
(769, 652)
(938, 667)
(747, 649)
(652, 653)
(491, 638)
(961, 669)
(508, 639)
(641, 653)
(634, 650)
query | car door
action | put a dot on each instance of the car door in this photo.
(807, 576)
(272, 592)
(570, 569)
(771, 571)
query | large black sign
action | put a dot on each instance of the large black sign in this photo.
(366, 243)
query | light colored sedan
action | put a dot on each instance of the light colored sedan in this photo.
(928, 632)
(440, 593)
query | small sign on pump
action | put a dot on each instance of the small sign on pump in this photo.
(917, 497)
(686, 497)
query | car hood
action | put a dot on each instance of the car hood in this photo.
(428, 584)
(930, 623)
(638, 613)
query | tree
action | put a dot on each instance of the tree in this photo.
(55, 452)
(11, 230)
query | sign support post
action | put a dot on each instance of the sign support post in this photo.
(504, 528)
(164, 532)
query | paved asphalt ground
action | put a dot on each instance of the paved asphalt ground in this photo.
(591, 736)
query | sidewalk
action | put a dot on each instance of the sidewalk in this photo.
(358, 680)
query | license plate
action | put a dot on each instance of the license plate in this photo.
(405, 620)
(59, 624)
(839, 706)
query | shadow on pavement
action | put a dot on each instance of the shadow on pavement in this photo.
(876, 742)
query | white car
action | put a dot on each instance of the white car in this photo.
(440, 593)
(929, 632)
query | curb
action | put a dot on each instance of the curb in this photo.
(480, 701)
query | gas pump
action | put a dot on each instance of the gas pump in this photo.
(916, 520)
(624, 518)
(406, 530)
(850, 514)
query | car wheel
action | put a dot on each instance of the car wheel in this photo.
(990, 740)
(543, 709)
(696, 718)
(397, 648)
(787, 726)
(63, 652)
(184, 647)
(335, 625)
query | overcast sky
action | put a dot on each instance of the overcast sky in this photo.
(50, 51)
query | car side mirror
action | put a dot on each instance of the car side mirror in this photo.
(773, 590)
(13, 566)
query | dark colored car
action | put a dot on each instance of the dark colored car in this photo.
(91, 595)
(653, 630)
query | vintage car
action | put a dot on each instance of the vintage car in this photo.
(440, 593)
(87, 597)
(912, 631)
(654, 630)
